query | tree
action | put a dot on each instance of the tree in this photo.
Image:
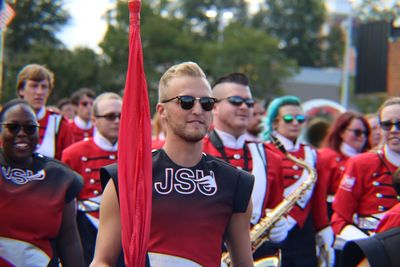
(168, 40)
(376, 10)
(32, 38)
(251, 51)
(36, 21)
(165, 42)
(297, 25)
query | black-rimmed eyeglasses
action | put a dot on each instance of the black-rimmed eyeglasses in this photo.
(187, 102)
(238, 101)
(110, 116)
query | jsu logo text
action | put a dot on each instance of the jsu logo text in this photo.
(186, 181)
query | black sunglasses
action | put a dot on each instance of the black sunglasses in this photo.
(358, 132)
(187, 102)
(238, 101)
(110, 116)
(15, 128)
(289, 118)
(86, 103)
(387, 125)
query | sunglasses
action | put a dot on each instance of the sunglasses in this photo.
(86, 103)
(187, 102)
(15, 128)
(110, 116)
(358, 132)
(290, 118)
(238, 101)
(387, 125)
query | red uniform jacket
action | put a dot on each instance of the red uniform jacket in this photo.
(390, 220)
(333, 164)
(365, 189)
(81, 134)
(274, 183)
(62, 137)
(317, 202)
(86, 158)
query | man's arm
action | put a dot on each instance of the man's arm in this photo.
(108, 243)
(238, 238)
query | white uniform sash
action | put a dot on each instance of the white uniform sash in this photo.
(23, 254)
(48, 145)
(260, 179)
(309, 158)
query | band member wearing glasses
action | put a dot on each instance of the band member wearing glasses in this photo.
(365, 192)
(285, 120)
(198, 200)
(227, 141)
(347, 137)
(37, 197)
(34, 85)
(87, 157)
(82, 125)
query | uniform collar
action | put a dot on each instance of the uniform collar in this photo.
(391, 156)
(42, 112)
(348, 150)
(230, 141)
(252, 138)
(288, 144)
(82, 124)
(103, 143)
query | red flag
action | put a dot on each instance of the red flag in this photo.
(134, 151)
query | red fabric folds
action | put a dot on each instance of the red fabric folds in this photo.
(134, 152)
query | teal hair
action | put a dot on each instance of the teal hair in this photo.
(273, 110)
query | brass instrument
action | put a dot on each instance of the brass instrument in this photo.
(259, 232)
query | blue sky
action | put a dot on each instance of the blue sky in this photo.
(87, 27)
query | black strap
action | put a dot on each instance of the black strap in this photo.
(380, 156)
(217, 142)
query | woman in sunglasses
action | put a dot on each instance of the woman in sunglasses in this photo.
(366, 189)
(37, 207)
(285, 121)
(347, 137)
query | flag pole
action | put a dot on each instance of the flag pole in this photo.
(1, 62)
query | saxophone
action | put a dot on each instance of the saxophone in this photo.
(259, 232)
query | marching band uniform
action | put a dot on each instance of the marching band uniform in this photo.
(263, 164)
(40, 191)
(87, 157)
(309, 213)
(192, 208)
(390, 220)
(81, 129)
(55, 133)
(334, 163)
(241, 154)
(365, 193)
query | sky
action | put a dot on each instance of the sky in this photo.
(87, 27)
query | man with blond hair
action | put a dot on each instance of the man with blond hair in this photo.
(198, 201)
(35, 84)
(87, 157)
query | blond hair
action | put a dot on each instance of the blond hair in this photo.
(104, 96)
(389, 102)
(190, 69)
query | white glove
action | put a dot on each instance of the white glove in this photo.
(325, 252)
(279, 231)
